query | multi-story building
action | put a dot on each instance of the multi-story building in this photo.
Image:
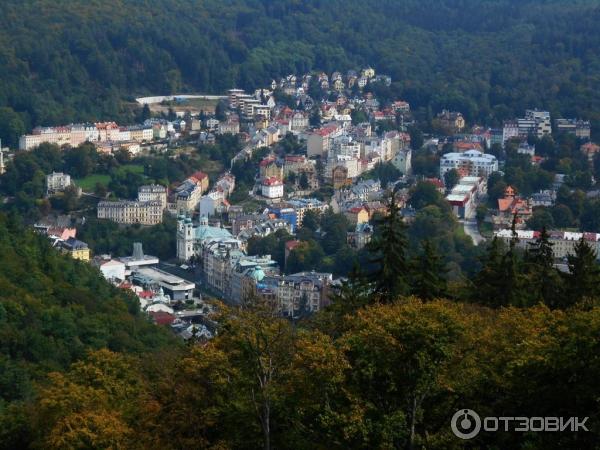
(319, 141)
(563, 242)
(344, 145)
(270, 167)
(139, 134)
(543, 124)
(465, 196)
(469, 163)
(272, 187)
(352, 165)
(228, 127)
(153, 192)
(535, 123)
(130, 212)
(298, 294)
(76, 134)
(451, 120)
(590, 150)
(299, 122)
(510, 130)
(57, 182)
(403, 161)
(233, 95)
(187, 195)
(580, 128)
(75, 248)
(302, 205)
(71, 135)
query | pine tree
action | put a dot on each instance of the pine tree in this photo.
(510, 269)
(583, 279)
(543, 279)
(388, 247)
(428, 274)
(352, 294)
(487, 284)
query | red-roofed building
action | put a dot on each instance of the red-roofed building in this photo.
(272, 187)
(357, 215)
(437, 183)
(508, 206)
(200, 178)
(463, 146)
(318, 142)
(590, 150)
(289, 247)
(162, 317)
(63, 233)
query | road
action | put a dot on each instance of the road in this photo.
(471, 230)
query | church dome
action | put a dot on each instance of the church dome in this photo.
(257, 273)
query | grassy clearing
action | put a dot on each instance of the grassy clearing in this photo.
(131, 168)
(89, 183)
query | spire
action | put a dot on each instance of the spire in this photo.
(2, 167)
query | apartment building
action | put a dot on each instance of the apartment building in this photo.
(153, 192)
(131, 211)
(470, 163)
(57, 182)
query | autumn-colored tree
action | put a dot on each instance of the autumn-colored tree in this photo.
(399, 355)
(93, 405)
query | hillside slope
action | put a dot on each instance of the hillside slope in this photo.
(77, 60)
(53, 310)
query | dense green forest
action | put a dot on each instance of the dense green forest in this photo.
(53, 310)
(78, 60)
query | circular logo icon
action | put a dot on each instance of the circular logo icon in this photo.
(465, 423)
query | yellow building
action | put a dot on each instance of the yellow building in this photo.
(357, 215)
(77, 249)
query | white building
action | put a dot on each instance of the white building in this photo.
(130, 212)
(543, 124)
(469, 163)
(57, 182)
(111, 269)
(153, 192)
(272, 187)
(563, 242)
(402, 161)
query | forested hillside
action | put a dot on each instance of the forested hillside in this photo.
(53, 310)
(77, 60)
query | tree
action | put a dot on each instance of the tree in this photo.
(93, 405)
(488, 284)
(541, 218)
(427, 269)
(399, 355)
(543, 278)
(425, 194)
(303, 183)
(583, 279)
(451, 179)
(315, 118)
(11, 127)
(562, 215)
(416, 137)
(388, 250)
(221, 110)
(291, 178)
